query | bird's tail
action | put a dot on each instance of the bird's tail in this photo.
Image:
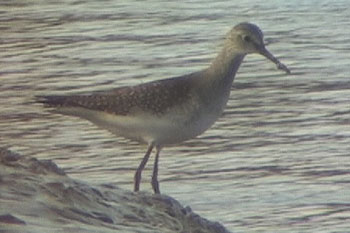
(52, 100)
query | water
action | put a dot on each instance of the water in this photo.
(277, 161)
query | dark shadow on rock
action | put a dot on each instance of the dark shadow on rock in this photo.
(37, 196)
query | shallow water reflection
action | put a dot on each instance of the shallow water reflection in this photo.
(277, 161)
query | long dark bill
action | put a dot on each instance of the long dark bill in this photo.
(268, 55)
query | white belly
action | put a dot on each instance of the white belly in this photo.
(178, 124)
(173, 127)
(165, 130)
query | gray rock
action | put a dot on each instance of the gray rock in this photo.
(37, 196)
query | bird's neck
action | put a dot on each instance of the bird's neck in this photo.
(225, 66)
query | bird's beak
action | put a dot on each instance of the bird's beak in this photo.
(263, 51)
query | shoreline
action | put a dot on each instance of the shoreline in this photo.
(38, 196)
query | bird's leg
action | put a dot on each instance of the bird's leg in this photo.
(137, 177)
(155, 183)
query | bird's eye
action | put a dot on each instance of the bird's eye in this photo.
(247, 38)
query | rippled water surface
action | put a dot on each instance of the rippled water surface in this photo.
(279, 158)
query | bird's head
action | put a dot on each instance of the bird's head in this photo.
(247, 38)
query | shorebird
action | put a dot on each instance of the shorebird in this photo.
(168, 111)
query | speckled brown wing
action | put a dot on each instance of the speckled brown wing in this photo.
(155, 97)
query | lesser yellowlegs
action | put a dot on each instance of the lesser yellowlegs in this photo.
(168, 111)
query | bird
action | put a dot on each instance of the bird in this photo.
(168, 111)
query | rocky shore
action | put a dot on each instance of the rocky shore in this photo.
(37, 196)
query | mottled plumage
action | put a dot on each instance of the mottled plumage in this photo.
(155, 97)
(172, 110)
